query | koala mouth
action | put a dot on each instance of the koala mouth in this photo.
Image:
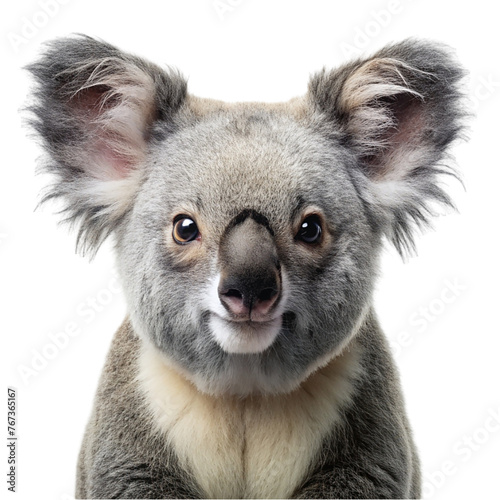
(251, 321)
(244, 336)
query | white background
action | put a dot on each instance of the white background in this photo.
(439, 309)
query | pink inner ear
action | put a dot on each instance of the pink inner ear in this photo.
(111, 132)
(402, 141)
(108, 163)
(91, 102)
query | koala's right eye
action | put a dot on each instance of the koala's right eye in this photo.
(185, 230)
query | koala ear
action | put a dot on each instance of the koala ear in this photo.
(398, 111)
(96, 109)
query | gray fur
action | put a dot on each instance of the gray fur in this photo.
(119, 457)
(364, 148)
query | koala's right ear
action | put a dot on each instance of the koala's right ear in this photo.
(398, 111)
(95, 108)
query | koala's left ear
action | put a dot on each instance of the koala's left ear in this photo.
(97, 109)
(399, 111)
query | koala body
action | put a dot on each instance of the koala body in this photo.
(251, 363)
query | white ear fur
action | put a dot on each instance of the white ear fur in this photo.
(376, 79)
(116, 124)
(120, 110)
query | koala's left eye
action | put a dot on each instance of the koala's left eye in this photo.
(185, 230)
(310, 230)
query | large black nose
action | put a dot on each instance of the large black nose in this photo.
(249, 296)
(250, 284)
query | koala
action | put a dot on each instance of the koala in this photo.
(251, 363)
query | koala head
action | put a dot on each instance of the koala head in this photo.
(247, 235)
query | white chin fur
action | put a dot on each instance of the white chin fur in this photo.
(244, 338)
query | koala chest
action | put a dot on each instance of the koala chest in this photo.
(256, 447)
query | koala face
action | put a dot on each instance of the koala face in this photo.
(247, 235)
(248, 257)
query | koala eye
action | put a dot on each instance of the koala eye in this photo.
(185, 230)
(310, 230)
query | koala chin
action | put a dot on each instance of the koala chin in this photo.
(247, 235)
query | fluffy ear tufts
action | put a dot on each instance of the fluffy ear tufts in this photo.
(95, 109)
(399, 111)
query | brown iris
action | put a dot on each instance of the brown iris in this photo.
(185, 230)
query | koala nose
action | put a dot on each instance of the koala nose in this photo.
(250, 283)
(249, 298)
